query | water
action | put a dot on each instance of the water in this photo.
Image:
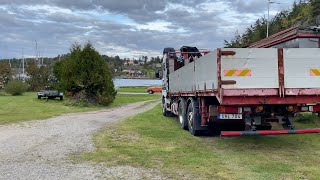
(136, 82)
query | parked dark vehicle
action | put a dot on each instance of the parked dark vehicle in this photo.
(50, 94)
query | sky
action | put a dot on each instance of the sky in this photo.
(128, 28)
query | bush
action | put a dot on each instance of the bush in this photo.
(16, 87)
(2, 93)
(307, 118)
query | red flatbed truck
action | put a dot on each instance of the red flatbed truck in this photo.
(244, 88)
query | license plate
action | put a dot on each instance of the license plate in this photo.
(230, 116)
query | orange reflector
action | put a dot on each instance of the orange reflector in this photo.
(290, 108)
(259, 109)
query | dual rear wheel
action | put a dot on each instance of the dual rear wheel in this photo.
(188, 112)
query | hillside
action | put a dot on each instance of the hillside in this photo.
(302, 13)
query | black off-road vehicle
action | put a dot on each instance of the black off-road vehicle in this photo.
(50, 94)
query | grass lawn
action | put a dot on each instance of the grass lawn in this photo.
(153, 141)
(28, 107)
(136, 89)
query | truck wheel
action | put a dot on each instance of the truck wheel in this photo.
(39, 97)
(61, 98)
(150, 92)
(192, 114)
(182, 111)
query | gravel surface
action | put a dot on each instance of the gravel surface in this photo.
(42, 149)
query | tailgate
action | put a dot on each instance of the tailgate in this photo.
(250, 68)
(302, 68)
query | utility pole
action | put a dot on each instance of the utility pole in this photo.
(37, 52)
(22, 63)
(269, 2)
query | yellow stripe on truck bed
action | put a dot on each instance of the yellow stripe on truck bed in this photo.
(237, 72)
(314, 72)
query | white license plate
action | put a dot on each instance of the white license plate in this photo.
(230, 116)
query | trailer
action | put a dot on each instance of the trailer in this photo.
(241, 91)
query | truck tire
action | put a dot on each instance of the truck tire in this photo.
(150, 92)
(182, 113)
(39, 97)
(61, 98)
(193, 116)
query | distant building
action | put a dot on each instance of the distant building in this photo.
(17, 74)
(294, 37)
(133, 73)
(129, 62)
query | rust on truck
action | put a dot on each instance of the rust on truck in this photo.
(281, 72)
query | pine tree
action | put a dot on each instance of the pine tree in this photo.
(85, 75)
(315, 10)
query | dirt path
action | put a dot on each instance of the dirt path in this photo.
(41, 149)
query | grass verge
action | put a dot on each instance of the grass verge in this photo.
(136, 89)
(153, 141)
(28, 107)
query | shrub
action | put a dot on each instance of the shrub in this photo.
(2, 93)
(307, 118)
(16, 87)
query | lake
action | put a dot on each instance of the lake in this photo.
(136, 82)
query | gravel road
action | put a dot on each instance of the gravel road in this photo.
(42, 149)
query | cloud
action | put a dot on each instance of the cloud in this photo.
(127, 28)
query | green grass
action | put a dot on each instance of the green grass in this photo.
(153, 141)
(28, 107)
(136, 89)
(123, 99)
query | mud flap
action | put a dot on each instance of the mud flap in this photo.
(198, 126)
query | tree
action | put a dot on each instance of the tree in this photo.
(304, 13)
(38, 76)
(315, 10)
(145, 59)
(158, 60)
(5, 71)
(85, 76)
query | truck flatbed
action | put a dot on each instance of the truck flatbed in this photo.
(253, 85)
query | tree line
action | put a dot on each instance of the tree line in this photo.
(303, 13)
(83, 74)
(41, 72)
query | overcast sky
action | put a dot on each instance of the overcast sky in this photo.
(128, 28)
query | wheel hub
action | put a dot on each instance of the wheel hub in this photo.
(180, 119)
(190, 119)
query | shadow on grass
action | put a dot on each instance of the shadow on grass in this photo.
(272, 143)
